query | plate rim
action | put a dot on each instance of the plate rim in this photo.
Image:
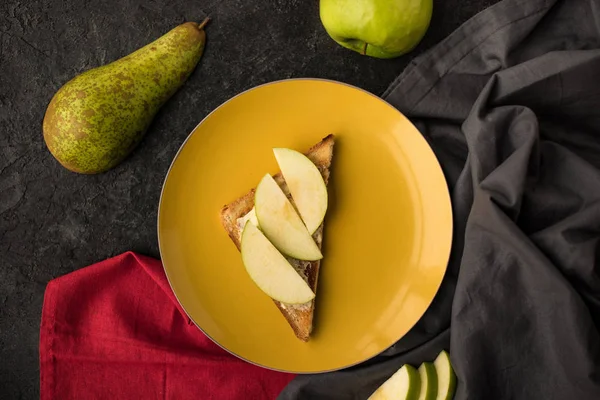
(279, 81)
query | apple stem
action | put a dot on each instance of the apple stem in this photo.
(364, 50)
(203, 23)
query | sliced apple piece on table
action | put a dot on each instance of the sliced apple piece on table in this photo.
(428, 377)
(281, 224)
(445, 376)
(306, 184)
(270, 270)
(405, 384)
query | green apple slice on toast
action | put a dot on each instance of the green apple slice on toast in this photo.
(405, 384)
(306, 186)
(281, 224)
(269, 269)
(235, 215)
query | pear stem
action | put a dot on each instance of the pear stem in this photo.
(364, 49)
(203, 23)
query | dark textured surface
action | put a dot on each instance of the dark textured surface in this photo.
(53, 221)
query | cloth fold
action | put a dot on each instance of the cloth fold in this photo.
(114, 330)
(510, 105)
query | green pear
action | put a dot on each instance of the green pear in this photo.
(377, 28)
(97, 118)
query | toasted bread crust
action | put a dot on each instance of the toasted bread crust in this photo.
(299, 318)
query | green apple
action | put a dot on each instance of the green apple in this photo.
(306, 185)
(405, 384)
(445, 376)
(270, 270)
(377, 28)
(428, 381)
(281, 224)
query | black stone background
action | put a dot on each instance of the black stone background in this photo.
(53, 221)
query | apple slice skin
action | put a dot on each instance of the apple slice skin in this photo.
(269, 269)
(446, 377)
(306, 184)
(429, 386)
(405, 384)
(281, 224)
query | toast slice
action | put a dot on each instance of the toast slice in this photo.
(235, 215)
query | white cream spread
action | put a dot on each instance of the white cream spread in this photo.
(251, 216)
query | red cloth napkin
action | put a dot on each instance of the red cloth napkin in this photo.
(114, 330)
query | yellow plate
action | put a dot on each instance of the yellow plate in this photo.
(387, 232)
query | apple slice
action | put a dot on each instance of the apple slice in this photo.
(306, 185)
(405, 384)
(445, 376)
(269, 269)
(281, 224)
(428, 382)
